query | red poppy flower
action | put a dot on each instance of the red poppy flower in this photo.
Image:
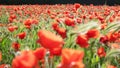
(100, 18)
(112, 36)
(91, 17)
(10, 20)
(71, 59)
(35, 21)
(106, 13)
(16, 46)
(21, 35)
(62, 32)
(77, 5)
(93, 33)
(49, 40)
(70, 16)
(58, 19)
(111, 19)
(40, 53)
(48, 11)
(101, 52)
(56, 51)
(69, 22)
(82, 41)
(13, 16)
(103, 26)
(55, 25)
(52, 16)
(84, 16)
(27, 26)
(79, 20)
(103, 39)
(12, 28)
(28, 22)
(25, 60)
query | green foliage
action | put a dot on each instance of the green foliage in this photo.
(3, 18)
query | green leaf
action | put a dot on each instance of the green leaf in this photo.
(95, 60)
(83, 28)
(112, 53)
(108, 17)
(112, 26)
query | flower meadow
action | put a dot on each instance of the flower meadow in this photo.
(59, 36)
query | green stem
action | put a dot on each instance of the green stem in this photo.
(47, 60)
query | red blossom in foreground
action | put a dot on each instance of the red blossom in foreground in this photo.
(101, 52)
(71, 59)
(56, 51)
(82, 40)
(4, 66)
(49, 40)
(22, 35)
(25, 60)
(40, 53)
(60, 19)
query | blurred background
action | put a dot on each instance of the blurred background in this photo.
(87, 2)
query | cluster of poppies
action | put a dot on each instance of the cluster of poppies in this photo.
(59, 36)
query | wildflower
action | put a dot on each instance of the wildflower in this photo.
(28, 22)
(12, 28)
(56, 51)
(93, 33)
(25, 60)
(40, 53)
(16, 46)
(71, 59)
(77, 5)
(69, 22)
(112, 36)
(61, 32)
(21, 35)
(101, 52)
(49, 40)
(104, 39)
(82, 40)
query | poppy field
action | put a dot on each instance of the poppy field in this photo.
(59, 36)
